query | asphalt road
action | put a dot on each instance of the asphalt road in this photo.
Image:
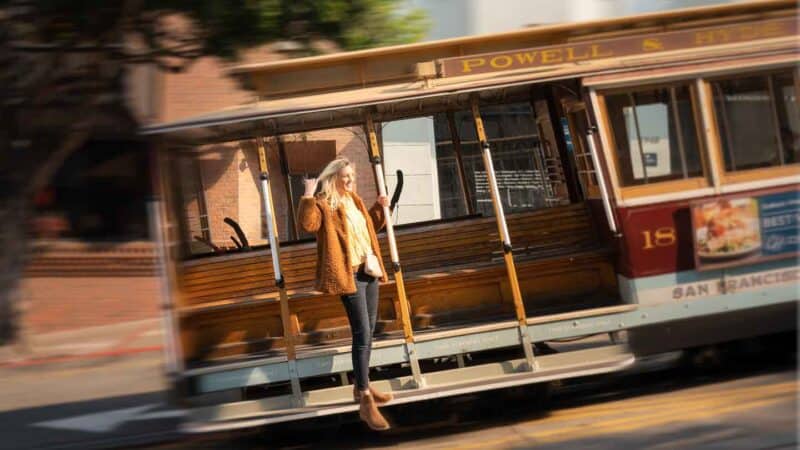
(97, 403)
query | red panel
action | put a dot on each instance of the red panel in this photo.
(657, 239)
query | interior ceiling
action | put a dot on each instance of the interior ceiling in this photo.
(345, 116)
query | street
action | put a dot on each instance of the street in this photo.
(84, 402)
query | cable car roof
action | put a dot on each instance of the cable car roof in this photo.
(331, 91)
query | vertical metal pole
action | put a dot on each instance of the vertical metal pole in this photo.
(638, 136)
(405, 316)
(172, 362)
(274, 248)
(202, 207)
(293, 226)
(601, 180)
(712, 139)
(502, 227)
(178, 193)
(796, 82)
(173, 358)
(773, 97)
(678, 130)
(724, 113)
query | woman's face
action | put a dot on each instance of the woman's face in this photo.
(346, 179)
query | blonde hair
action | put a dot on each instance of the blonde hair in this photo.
(326, 182)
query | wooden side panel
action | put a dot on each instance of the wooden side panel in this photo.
(219, 334)
(454, 276)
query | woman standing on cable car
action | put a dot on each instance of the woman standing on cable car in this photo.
(349, 264)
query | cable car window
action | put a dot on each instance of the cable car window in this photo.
(451, 193)
(409, 148)
(656, 134)
(758, 120)
(194, 205)
(516, 154)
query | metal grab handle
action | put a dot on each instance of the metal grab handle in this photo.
(268, 212)
(495, 190)
(395, 257)
(612, 223)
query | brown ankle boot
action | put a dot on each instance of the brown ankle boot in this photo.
(380, 397)
(369, 413)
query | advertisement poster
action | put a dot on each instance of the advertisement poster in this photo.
(734, 231)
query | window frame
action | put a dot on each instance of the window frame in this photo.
(469, 193)
(733, 177)
(692, 183)
(584, 165)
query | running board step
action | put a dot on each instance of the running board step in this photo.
(439, 384)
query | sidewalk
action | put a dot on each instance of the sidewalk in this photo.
(88, 343)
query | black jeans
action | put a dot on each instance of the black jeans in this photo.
(362, 312)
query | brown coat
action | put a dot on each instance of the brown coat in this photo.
(334, 268)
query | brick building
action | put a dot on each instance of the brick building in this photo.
(222, 180)
(90, 269)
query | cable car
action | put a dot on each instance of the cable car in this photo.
(634, 175)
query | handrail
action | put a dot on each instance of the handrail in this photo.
(405, 316)
(288, 335)
(601, 181)
(502, 226)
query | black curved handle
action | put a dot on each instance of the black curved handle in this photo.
(397, 190)
(236, 228)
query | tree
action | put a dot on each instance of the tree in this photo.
(62, 64)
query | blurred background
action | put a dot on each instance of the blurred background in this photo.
(79, 290)
(81, 78)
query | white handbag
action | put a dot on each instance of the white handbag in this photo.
(372, 266)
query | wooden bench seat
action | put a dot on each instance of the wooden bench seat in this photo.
(454, 274)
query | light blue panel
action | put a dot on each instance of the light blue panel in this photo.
(468, 343)
(771, 265)
(388, 355)
(693, 276)
(309, 367)
(627, 289)
(650, 315)
(250, 376)
(675, 278)
(342, 362)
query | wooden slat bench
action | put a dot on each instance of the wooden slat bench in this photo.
(454, 274)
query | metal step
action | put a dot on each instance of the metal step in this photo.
(598, 360)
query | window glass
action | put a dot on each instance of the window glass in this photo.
(193, 207)
(298, 188)
(409, 147)
(655, 134)
(788, 115)
(758, 120)
(450, 191)
(579, 126)
(516, 156)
